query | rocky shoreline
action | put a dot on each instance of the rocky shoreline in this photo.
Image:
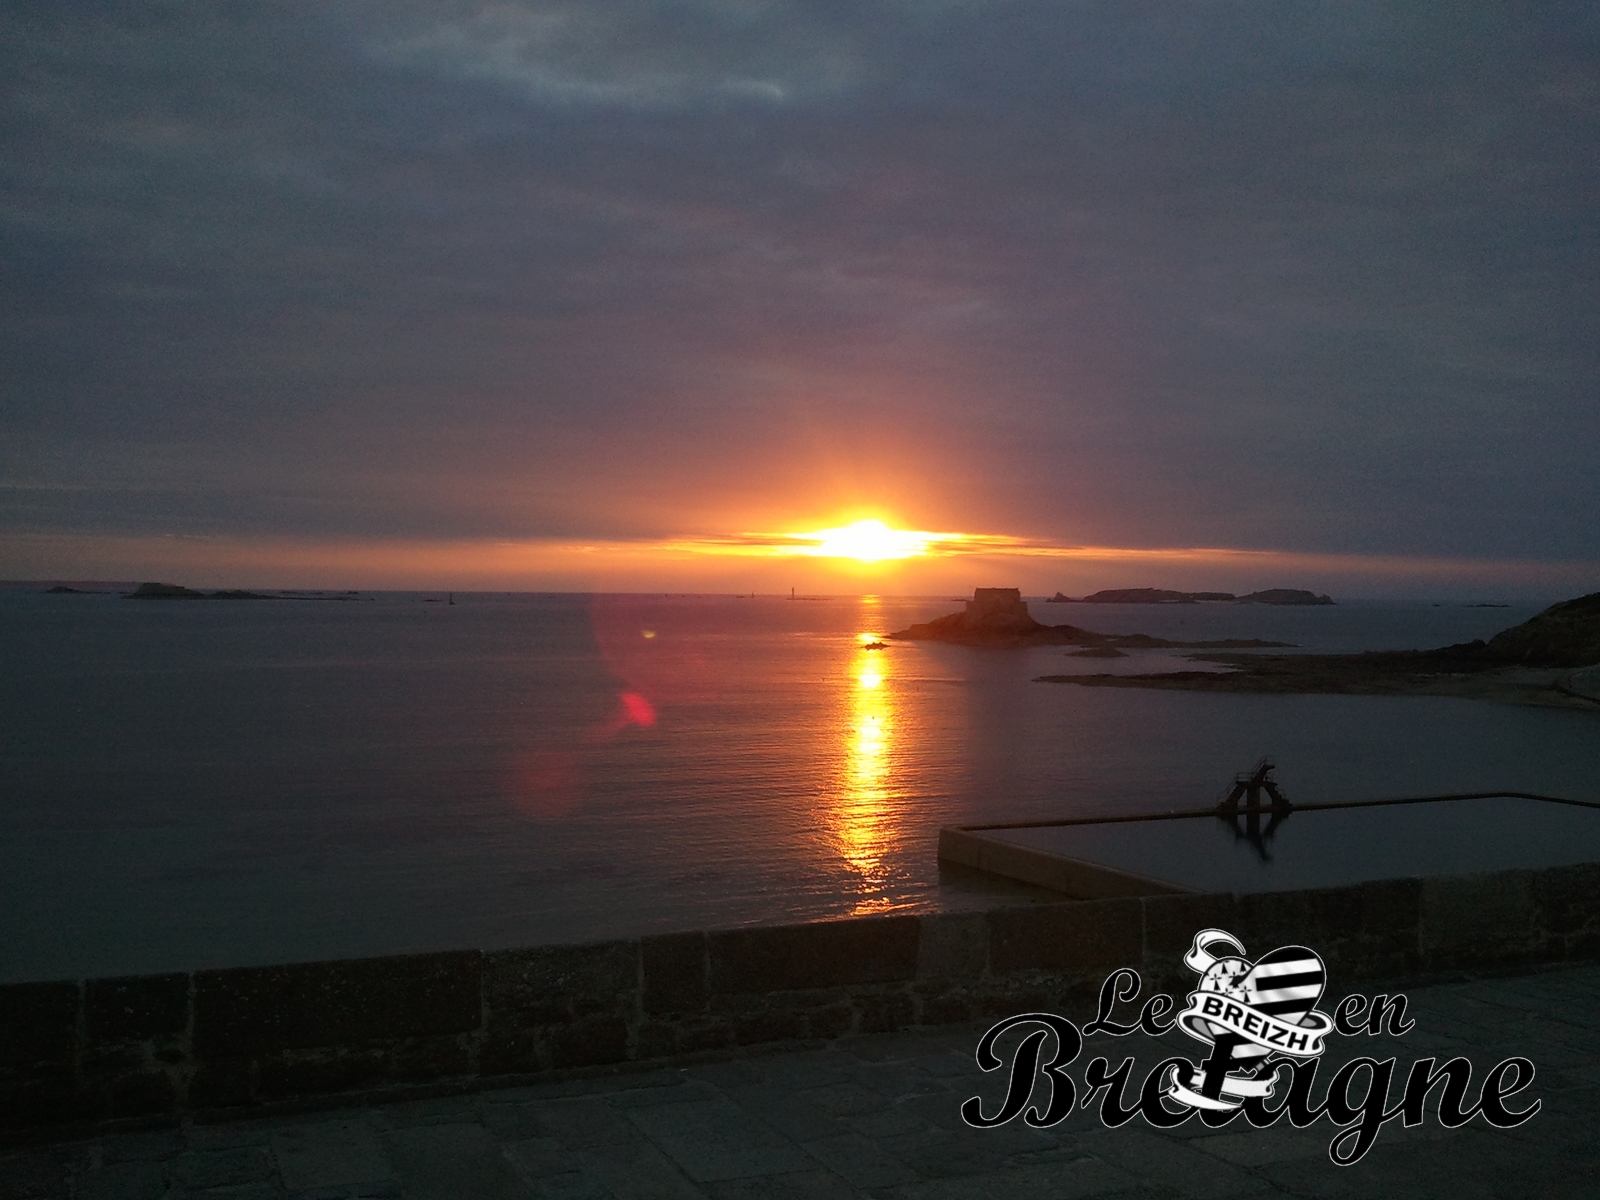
(1544, 687)
(1546, 661)
(999, 617)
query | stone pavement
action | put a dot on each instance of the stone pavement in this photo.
(878, 1117)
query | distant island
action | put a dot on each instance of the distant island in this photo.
(1000, 617)
(1552, 659)
(172, 591)
(1164, 596)
(175, 591)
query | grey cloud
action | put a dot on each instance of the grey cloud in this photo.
(627, 55)
(1317, 275)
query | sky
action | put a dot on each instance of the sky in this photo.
(573, 296)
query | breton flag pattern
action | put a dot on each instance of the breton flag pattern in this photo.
(1287, 983)
(1247, 1011)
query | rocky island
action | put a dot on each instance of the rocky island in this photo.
(1000, 617)
(1552, 659)
(1166, 596)
(173, 591)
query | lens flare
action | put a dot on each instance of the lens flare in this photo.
(636, 710)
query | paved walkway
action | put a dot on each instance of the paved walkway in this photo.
(878, 1117)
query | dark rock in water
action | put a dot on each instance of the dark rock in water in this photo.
(1098, 652)
(1153, 596)
(1529, 663)
(1167, 596)
(62, 589)
(1285, 596)
(1059, 598)
(1142, 641)
(171, 591)
(997, 617)
(1141, 596)
(1563, 635)
(164, 591)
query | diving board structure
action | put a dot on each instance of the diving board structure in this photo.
(1255, 840)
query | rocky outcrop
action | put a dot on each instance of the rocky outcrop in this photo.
(1151, 596)
(1000, 617)
(1564, 635)
(997, 617)
(1531, 663)
(1285, 596)
(164, 591)
(1168, 596)
(172, 591)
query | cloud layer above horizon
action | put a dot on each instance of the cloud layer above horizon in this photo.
(1314, 278)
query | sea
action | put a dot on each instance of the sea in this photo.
(192, 784)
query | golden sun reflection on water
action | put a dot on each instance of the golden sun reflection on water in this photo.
(864, 813)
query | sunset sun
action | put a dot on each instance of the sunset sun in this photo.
(868, 541)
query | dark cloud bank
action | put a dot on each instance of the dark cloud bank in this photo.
(1314, 277)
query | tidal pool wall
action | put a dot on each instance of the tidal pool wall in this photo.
(224, 1043)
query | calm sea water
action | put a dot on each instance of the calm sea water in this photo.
(198, 784)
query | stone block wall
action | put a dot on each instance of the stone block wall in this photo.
(245, 1038)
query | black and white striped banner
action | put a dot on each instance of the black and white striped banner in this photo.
(1248, 1011)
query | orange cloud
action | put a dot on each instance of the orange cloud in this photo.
(949, 562)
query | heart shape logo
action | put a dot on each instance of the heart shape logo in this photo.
(1284, 985)
(1246, 1011)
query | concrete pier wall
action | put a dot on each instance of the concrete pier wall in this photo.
(231, 1041)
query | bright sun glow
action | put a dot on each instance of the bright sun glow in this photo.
(868, 541)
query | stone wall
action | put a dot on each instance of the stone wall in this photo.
(239, 1039)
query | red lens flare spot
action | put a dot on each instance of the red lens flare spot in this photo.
(636, 710)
